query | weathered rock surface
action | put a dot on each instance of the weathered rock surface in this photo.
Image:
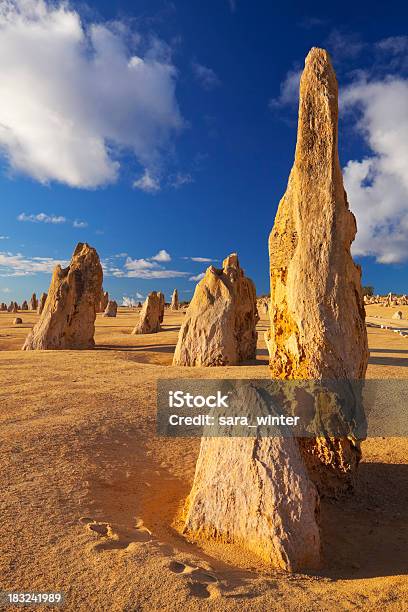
(162, 305)
(104, 301)
(317, 315)
(220, 323)
(397, 315)
(111, 309)
(17, 321)
(33, 302)
(68, 317)
(41, 303)
(149, 322)
(255, 492)
(174, 305)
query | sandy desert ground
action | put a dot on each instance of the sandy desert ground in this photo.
(89, 493)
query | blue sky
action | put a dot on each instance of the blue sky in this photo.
(163, 134)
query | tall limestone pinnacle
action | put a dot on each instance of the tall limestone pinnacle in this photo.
(317, 317)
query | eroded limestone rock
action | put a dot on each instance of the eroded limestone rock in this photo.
(317, 316)
(41, 303)
(174, 301)
(111, 309)
(33, 302)
(68, 318)
(149, 322)
(162, 305)
(255, 492)
(220, 323)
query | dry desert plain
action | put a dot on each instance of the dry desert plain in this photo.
(90, 495)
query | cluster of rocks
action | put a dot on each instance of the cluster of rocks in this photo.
(386, 300)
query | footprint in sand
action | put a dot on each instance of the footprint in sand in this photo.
(117, 536)
(201, 583)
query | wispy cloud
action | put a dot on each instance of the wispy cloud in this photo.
(200, 259)
(79, 224)
(147, 183)
(52, 219)
(6, 289)
(88, 90)
(197, 277)
(4, 237)
(20, 265)
(41, 218)
(178, 180)
(289, 91)
(205, 76)
(344, 45)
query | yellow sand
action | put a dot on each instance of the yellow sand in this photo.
(89, 493)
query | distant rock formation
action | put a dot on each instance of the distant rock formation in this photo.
(24, 305)
(174, 301)
(68, 317)
(17, 321)
(220, 323)
(149, 322)
(33, 302)
(255, 492)
(103, 301)
(317, 316)
(41, 303)
(3, 307)
(397, 315)
(111, 309)
(13, 307)
(162, 304)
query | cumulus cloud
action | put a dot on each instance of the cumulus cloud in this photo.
(197, 277)
(131, 301)
(149, 267)
(75, 96)
(19, 265)
(377, 185)
(205, 76)
(162, 255)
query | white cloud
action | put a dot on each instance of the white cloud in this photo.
(18, 265)
(6, 290)
(41, 218)
(147, 183)
(144, 268)
(162, 255)
(79, 224)
(202, 259)
(72, 95)
(205, 76)
(4, 237)
(289, 90)
(377, 185)
(198, 277)
(130, 301)
(181, 179)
